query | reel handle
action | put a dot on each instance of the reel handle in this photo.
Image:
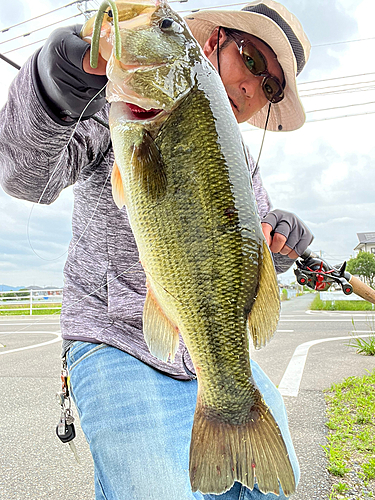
(359, 288)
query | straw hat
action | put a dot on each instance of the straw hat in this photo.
(281, 30)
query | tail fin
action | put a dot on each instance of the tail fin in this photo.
(222, 453)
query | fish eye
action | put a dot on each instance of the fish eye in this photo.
(167, 24)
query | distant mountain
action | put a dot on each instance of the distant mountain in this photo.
(7, 288)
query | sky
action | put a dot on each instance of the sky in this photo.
(322, 172)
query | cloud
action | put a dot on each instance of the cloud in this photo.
(34, 240)
(322, 172)
(13, 13)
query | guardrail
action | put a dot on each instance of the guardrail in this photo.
(31, 299)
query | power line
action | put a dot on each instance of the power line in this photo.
(316, 120)
(23, 46)
(213, 7)
(63, 7)
(341, 116)
(337, 92)
(42, 28)
(338, 86)
(335, 78)
(41, 15)
(344, 41)
(341, 107)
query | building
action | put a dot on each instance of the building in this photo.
(366, 243)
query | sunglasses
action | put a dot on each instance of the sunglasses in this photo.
(256, 63)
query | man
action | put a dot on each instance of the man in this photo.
(136, 411)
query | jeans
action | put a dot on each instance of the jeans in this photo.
(138, 422)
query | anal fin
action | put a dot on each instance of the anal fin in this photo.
(160, 334)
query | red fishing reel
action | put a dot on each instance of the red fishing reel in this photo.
(316, 273)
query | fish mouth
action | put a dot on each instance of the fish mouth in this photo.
(141, 114)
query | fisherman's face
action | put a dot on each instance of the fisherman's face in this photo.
(243, 88)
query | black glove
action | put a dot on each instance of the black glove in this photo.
(297, 234)
(63, 88)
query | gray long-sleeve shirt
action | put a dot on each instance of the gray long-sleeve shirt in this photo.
(104, 283)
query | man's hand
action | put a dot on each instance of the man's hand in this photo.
(286, 234)
(64, 80)
(99, 70)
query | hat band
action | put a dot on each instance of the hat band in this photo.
(296, 45)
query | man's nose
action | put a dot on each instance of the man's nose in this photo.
(251, 85)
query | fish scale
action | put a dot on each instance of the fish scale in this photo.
(185, 181)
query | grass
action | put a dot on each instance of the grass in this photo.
(340, 305)
(23, 310)
(351, 438)
(366, 345)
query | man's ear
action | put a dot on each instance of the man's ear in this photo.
(210, 46)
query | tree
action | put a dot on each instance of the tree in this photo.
(363, 266)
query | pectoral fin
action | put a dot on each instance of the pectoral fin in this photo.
(118, 191)
(264, 315)
(160, 334)
(148, 166)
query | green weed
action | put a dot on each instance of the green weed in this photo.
(340, 305)
(351, 436)
(366, 345)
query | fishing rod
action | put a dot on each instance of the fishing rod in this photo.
(318, 274)
(9, 61)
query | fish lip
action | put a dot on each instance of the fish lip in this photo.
(141, 114)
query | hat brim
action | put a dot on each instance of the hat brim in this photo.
(289, 113)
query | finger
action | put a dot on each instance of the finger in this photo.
(293, 255)
(267, 228)
(99, 70)
(278, 242)
(286, 250)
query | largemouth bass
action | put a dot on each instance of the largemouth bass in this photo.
(182, 173)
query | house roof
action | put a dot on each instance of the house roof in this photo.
(366, 237)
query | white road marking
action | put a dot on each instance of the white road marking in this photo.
(284, 331)
(338, 320)
(291, 381)
(57, 339)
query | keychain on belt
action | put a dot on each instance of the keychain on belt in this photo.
(65, 428)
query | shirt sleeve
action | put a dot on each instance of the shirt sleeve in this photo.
(282, 262)
(38, 157)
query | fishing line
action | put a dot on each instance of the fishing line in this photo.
(58, 164)
(264, 135)
(127, 271)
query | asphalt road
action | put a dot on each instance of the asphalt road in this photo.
(35, 465)
(327, 363)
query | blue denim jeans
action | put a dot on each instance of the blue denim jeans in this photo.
(138, 421)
